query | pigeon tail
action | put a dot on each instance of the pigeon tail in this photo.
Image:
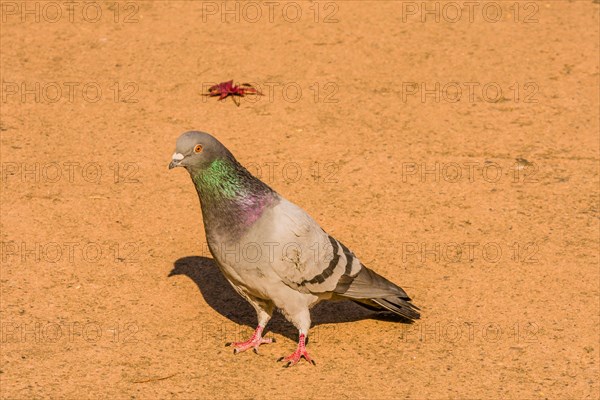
(373, 291)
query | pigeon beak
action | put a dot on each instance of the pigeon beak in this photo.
(176, 160)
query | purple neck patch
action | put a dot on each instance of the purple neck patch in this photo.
(253, 208)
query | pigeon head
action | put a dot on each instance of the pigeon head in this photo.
(196, 151)
(231, 197)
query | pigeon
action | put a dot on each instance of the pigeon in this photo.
(271, 251)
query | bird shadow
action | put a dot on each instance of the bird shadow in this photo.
(221, 296)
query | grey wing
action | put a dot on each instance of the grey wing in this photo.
(310, 260)
(314, 262)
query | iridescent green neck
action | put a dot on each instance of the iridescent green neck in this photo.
(231, 198)
(221, 179)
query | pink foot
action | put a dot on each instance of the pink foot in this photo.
(252, 343)
(298, 354)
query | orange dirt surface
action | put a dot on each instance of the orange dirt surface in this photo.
(452, 146)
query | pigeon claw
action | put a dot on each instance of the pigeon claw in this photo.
(297, 355)
(253, 343)
(239, 347)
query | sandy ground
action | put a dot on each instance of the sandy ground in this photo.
(458, 157)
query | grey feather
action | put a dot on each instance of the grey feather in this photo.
(297, 264)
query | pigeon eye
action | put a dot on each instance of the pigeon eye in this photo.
(198, 148)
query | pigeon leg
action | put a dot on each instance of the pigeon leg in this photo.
(255, 340)
(300, 352)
